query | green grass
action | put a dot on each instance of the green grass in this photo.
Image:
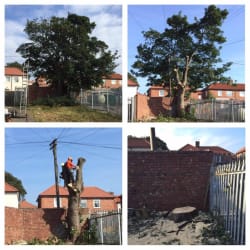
(42, 113)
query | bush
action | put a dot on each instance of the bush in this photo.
(55, 101)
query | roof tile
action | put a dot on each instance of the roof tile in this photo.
(12, 71)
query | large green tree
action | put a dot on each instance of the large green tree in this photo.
(63, 51)
(185, 56)
(15, 182)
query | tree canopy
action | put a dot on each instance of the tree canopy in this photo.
(185, 55)
(15, 182)
(63, 51)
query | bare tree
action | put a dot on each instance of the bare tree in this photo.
(73, 217)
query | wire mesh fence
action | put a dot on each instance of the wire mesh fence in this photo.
(104, 100)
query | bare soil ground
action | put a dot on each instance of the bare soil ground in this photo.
(158, 229)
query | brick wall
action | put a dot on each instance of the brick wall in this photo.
(27, 224)
(166, 180)
(151, 107)
(35, 92)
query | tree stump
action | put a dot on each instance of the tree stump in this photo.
(183, 214)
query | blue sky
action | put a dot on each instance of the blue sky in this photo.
(108, 19)
(29, 158)
(232, 139)
(143, 17)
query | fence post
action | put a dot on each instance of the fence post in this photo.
(107, 100)
(92, 99)
(119, 227)
(101, 226)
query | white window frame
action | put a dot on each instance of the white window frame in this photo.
(113, 82)
(219, 93)
(97, 203)
(161, 93)
(55, 202)
(83, 203)
(242, 94)
(229, 93)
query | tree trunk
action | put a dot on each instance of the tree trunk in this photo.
(178, 104)
(73, 216)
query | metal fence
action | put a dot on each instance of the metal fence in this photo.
(227, 197)
(131, 109)
(108, 226)
(105, 100)
(219, 110)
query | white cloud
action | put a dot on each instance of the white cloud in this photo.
(108, 28)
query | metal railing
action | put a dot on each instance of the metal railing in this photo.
(227, 197)
(108, 227)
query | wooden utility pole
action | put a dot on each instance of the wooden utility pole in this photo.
(53, 145)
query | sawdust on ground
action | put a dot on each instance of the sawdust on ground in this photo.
(158, 229)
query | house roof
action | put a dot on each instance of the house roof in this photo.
(88, 192)
(13, 71)
(118, 199)
(224, 86)
(114, 76)
(241, 151)
(214, 149)
(132, 83)
(157, 87)
(26, 204)
(10, 189)
(134, 142)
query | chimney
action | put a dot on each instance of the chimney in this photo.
(197, 144)
(152, 139)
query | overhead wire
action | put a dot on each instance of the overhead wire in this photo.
(92, 145)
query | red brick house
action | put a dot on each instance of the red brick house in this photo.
(222, 91)
(26, 204)
(114, 81)
(241, 152)
(92, 198)
(158, 91)
(222, 155)
(138, 144)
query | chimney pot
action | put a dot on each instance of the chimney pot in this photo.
(197, 144)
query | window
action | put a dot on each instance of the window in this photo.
(83, 203)
(219, 92)
(113, 82)
(55, 202)
(229, 93)
(16, 79)
(96, 203)
(161, 93)
(242, 94)
(7, 78)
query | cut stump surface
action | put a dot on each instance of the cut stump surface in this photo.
(183, 214)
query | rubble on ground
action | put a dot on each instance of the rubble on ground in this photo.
(161, 227)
